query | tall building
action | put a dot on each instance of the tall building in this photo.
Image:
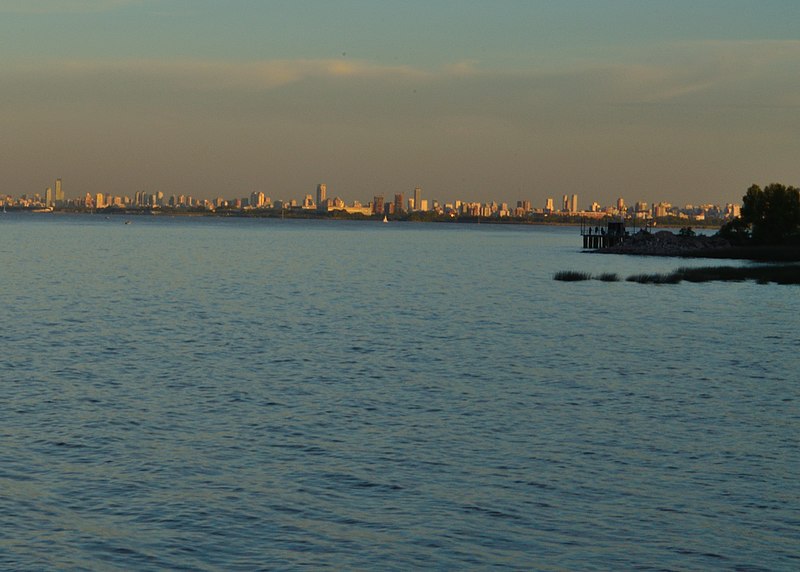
(59, 194)
(574, 204)
(377, 204)
(661, 209)
(398, 203)
(48, 197)
(548, 206)
(257, 199)
(322, 192)
(417, 198)
(565, 203)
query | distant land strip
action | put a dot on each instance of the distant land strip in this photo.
(416, 216)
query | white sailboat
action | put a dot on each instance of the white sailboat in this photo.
(385, 219)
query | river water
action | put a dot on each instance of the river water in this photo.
(230, 394)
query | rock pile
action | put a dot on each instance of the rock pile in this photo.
(665, 243)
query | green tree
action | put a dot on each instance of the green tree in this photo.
(773, 214)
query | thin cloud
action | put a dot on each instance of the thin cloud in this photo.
(214, 75)
(61, 6)
(725, 72)
(733, 74)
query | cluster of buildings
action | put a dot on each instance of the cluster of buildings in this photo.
(381, 205)
(647, 210)
(53, 198)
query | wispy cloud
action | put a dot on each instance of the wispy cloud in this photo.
(734, 74)
(725, 72)
(61, 6)
(213, 75)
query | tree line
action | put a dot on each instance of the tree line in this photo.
(769, 216)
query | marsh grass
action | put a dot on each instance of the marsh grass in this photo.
(571, 276)
(775, 273)
(779, 274)
(608, 277)
(672, 278)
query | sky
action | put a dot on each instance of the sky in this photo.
(683, 101)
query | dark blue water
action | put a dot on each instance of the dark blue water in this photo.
(238, 395)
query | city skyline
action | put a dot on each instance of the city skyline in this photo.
(476, 100)
(378, 206)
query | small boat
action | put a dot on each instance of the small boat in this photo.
(385, 219)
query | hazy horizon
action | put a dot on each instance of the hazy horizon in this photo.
(471, 100)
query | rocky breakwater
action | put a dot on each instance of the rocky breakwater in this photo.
(665, 243)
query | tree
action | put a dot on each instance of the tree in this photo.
(735, 231)
(773, 214)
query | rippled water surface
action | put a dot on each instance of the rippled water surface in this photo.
(261, 394)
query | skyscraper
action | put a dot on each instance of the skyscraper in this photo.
(59, 194)
(377, 204)
(48, 197)
(322, 191)
(417, 198)
(574, 204)
(257, 199)
(398, 203)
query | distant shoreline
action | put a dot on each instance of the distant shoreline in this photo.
(424, 217)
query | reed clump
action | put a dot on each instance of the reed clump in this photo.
(671, 278)
(571, 276)
(777, 273)
(767, 274)
(608, 277)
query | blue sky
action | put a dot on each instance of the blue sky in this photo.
(685, 101)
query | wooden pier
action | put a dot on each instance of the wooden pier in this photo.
(596, 237)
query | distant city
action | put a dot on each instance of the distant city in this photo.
(397, 206)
